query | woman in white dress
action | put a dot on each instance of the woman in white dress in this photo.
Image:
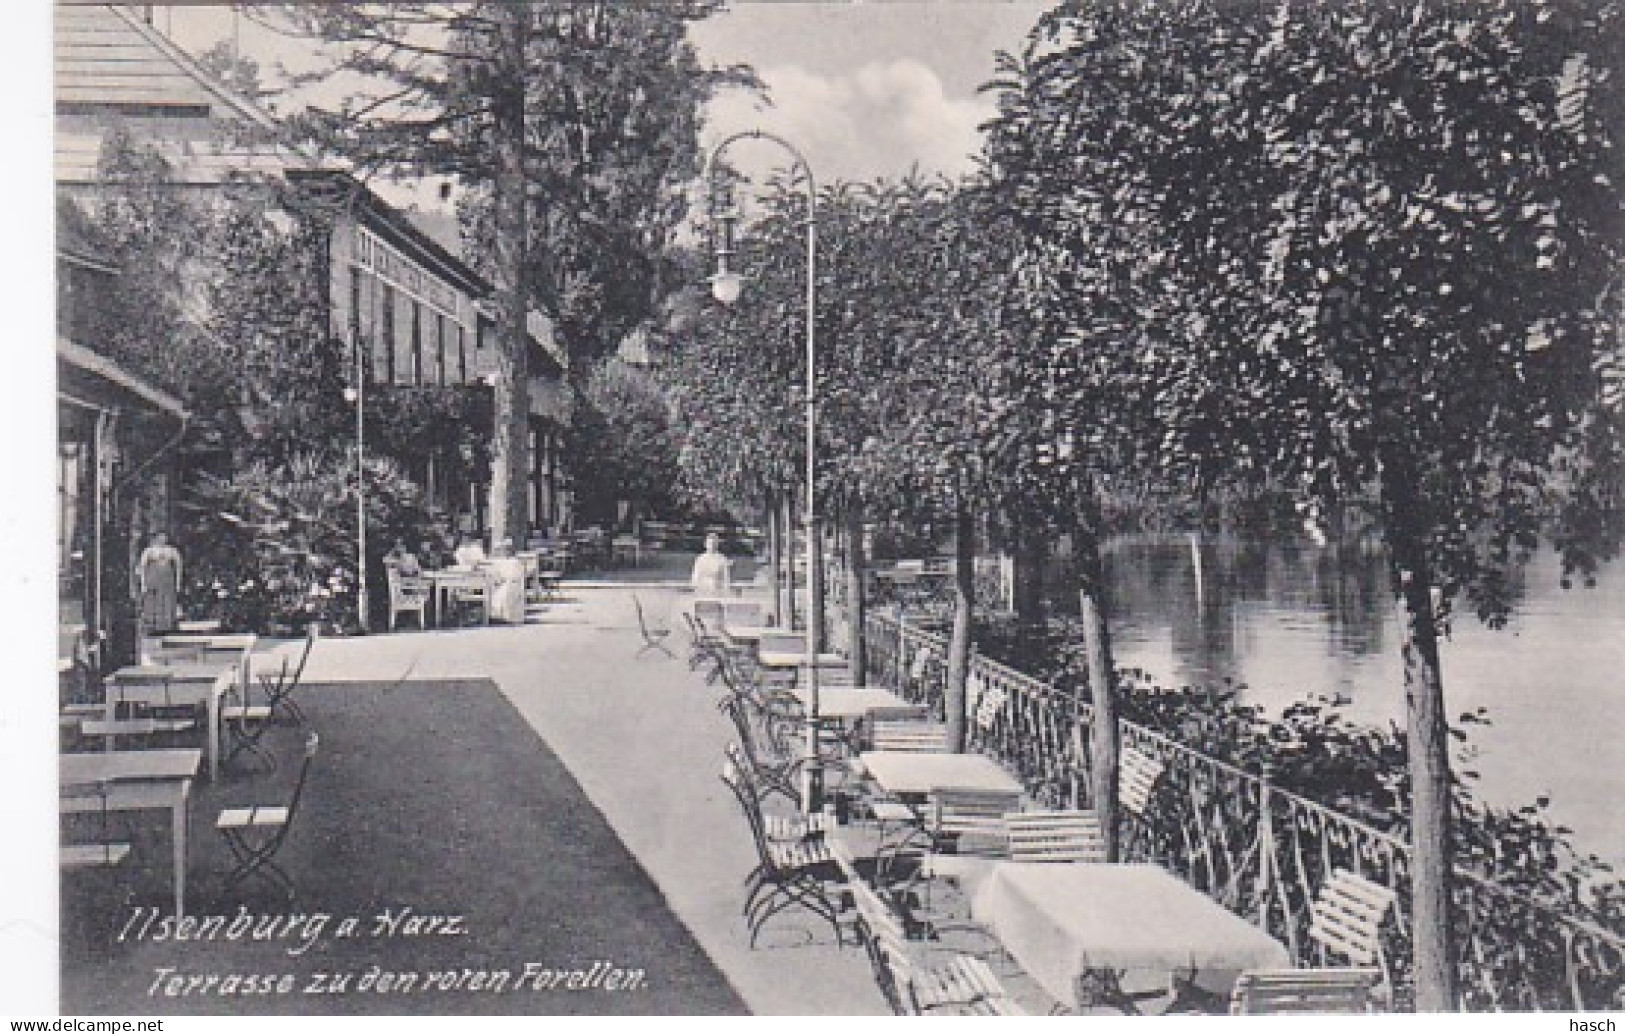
(158, 583)
(712, 574)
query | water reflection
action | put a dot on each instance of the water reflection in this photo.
(1290, 621)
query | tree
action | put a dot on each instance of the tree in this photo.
(613, 125)
(448, 93)
(623, 444)
(239, 73)
(534, 109)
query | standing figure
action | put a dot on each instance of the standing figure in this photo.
(712, 575)
(158, 580)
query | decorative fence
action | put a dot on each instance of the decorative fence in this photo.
(1261, 851)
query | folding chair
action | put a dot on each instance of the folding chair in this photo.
(408, 594)
(101, 853)
(966, 833)
(1346, 920)
(1265, 992)
(279, 687)
(919, 737)
(787, 875)
(703, 649)
(245, 724)
(255, 834)
(653, 638)
(965, 986)
(771, 777)
(1055, 836)
(141, 717)
(778, 827)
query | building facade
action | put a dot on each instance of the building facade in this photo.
(408, 308)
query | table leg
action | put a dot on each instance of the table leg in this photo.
(211, 741)
(179, 837)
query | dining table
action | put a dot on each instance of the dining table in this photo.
(797, 659)
(452, 579)
(179, 685)
(747, 635)
(138, 780)
(1094, 934)
(907, 773)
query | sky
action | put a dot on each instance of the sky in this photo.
(863, 89)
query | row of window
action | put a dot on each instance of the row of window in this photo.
(406, 342)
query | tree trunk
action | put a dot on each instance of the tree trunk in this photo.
(1029, 573)
(1097, 647)
(787, 583)
(960, 645)
(855, 607)
(1429, 756)
(815, 580)
(510, 439)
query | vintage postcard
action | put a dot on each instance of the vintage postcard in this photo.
(994, 508)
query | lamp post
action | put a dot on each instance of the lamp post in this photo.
(355, 394)
(726, 286)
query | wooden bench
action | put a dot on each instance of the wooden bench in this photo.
(1304, 991)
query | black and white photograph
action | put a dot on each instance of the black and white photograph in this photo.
(1063, 508)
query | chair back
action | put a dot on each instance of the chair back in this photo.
(739, 783)
(989, 704)
(1137, 775)
(311, 633)
(643, 622)
(1261, 992)
(917, 737)
(1346, 917)
(1055, 836)
(405, 591)
(104, 852)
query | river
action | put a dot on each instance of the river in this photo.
(1289, 622)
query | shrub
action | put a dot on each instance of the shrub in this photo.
(272, 547)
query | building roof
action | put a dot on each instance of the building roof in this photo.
(112, 66)
(394, 225)
(98, 381)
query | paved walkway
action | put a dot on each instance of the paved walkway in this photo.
(643, 738)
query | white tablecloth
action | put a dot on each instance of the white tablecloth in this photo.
(1060, 920)
(911, 772)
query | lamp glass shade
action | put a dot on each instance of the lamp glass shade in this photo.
(725, 287)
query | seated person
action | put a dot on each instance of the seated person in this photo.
(403, 560)
(712, 572)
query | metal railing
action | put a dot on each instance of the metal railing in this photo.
(1261, 851)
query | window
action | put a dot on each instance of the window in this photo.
(386, 334)
(440, 348)
(405, 335)
(417, 343)
(462, 356)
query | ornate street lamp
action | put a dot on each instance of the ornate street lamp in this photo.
(726, 285)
